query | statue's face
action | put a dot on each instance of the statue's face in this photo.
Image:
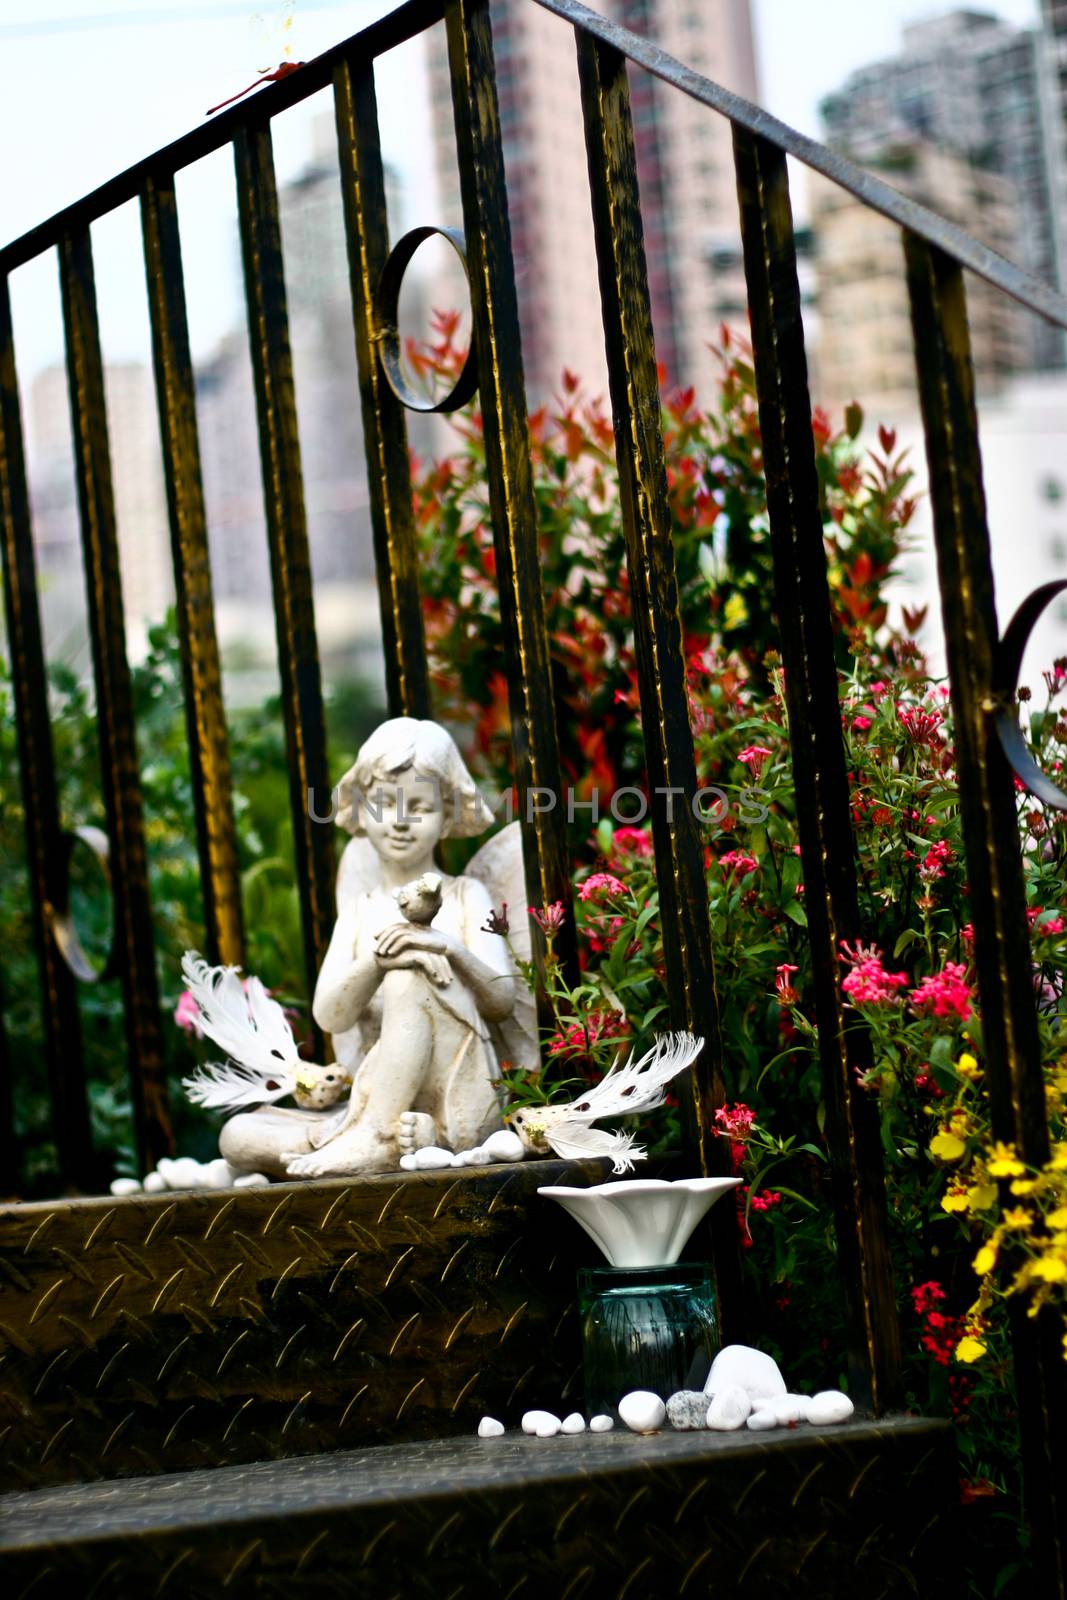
(403, 817)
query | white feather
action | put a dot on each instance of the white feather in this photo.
(637, 1085)
(229, 1086)
(573, 1141)
(247, 1024)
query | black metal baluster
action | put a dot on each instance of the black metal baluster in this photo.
(661, 668)
(205, 715)
(507, 451)
(283, 494)
(994, 863)
(384, 428)
(134, 947)
(62, 1028)
(822, 798)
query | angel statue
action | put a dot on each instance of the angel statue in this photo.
(419, 991)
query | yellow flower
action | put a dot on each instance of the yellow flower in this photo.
(955, 1200)
(1059, 1157)
(970, 1348)
(735, 612)
(1052, 1268)
(1018, 1217)
(946, 1146)
(985, 1260)
(1057, 1218)
(1004, 1163)
(1024, 1186)
(980, 1196)
(967, 1066)
(960, 1120)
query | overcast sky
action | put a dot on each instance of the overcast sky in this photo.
(88, 86)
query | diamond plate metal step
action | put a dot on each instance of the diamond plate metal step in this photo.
(864, 1509)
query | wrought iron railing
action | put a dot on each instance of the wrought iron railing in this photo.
(936, 254)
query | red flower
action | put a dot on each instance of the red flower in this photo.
(946, 995)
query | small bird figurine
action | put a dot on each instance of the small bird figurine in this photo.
(264, 1066)
(421, 900)
(635, 1086)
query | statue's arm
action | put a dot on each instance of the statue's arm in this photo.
(482, 962)
(347, 980)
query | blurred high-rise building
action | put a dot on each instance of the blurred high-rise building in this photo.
(971, 84)
(685, 171)
(865, 342)
(1054, 112)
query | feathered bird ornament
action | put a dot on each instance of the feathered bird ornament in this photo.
(240, 1016)
(635, 1086)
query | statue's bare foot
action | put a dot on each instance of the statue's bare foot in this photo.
(352, 1152)
(416, 1130)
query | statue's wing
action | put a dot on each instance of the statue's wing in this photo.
(360, 871)
(499, 866)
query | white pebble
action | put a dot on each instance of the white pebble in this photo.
(154, 1183)
(575, 1423)
(790, 1408)
(548, 1429)
(642, 1411)
(407, 1163)
(217, 1174)
(601, 1423)
(430, 1157)
(830, 1405)
(123, 1186)
(472, 1158)
(490, 1428)
(503, 1146)
(533, 1420)
(729, 1409)
(761, 1420)
(757, 1374)
(251, 1180)
(183, 1173)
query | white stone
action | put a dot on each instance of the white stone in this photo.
(251, 1180)
(761, 1421)
(790, 1408)
(601, 1423)
(122, 1186)
(642, 1411)
(217, 1174)
(490, 1428)
(430, 1158)
(533, 1420)
(575, 1423)
(687, 1409)
(154, 1183)
(407, 1163)
(730, 1408)
(748, 1369)
(183, 1173)
(828, 1406)
(503, 1146)
(548, 1429)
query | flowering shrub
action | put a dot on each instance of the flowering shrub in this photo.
(909, 983)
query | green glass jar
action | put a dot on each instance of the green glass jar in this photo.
(645, 1328)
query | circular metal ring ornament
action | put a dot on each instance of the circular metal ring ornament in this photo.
(387, 317)
(1007, 665)
(63, 930)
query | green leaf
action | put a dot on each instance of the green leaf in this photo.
(796, 913)
(908, 937)
(853, 419)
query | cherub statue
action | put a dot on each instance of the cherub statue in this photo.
(421, 995)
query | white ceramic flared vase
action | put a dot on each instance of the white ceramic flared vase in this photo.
(641, 1222)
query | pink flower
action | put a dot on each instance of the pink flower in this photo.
(737, 861)
(187, 1014)
(601, 886)
(869, 984)
(735, 1124)
(921, 726)
(787, 995)
(946, 995)
(753, 756)
(861, 724)
(935, 860)
(551, 919)
(632, 841)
